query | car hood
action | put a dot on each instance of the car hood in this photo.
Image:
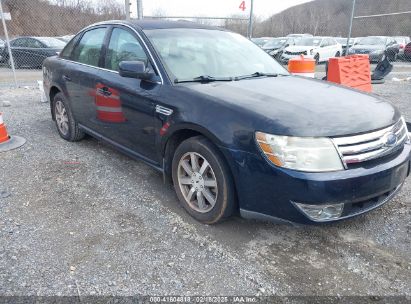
(300, 48)
(367, 47)
(297, 106)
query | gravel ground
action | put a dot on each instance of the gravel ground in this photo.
(81, 218)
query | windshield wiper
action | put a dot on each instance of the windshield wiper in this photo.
(256, 74)
(204, 79)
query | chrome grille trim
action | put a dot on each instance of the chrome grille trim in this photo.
(364, 147)
(296, 53)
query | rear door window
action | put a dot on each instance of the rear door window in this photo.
(88, 49)
(123, 46)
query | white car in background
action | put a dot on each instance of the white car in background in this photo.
(319, 48)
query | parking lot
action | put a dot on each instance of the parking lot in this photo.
(82, 219)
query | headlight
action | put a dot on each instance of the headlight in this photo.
(308, 154)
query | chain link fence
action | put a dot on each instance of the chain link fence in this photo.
(383, 30)
(40, 28)
(389, 28)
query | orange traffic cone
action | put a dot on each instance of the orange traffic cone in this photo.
(8, 142)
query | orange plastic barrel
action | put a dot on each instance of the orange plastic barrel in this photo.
(302, 66)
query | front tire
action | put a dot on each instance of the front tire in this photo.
(66, 124)
(202, 180)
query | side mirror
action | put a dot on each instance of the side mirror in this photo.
(135, 69)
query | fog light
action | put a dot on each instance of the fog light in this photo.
(321, 213)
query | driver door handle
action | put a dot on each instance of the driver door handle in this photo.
(104, 91)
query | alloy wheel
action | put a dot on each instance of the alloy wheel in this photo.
(197, 182)
(61, 117)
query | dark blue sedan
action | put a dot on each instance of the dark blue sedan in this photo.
(30, 52)
(227, 124)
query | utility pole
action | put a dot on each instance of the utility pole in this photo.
(127, 7)
(350, 29)
(3, 20)
(140, 9)
(250, 22)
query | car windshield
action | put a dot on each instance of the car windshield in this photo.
(259, 41)
(52, 42)
(275, 43)
(190, 53)
(372, 41)
(308, 41)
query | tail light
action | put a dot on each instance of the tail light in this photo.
(402, 46)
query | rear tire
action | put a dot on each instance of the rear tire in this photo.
(317, 58)
(202, 180)
(66, 124)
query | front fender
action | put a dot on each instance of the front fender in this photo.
(185, 126)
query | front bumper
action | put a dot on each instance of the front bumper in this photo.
(269, 192)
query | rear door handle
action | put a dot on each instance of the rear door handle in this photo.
(66, 78)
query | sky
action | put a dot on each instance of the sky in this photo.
(213, 8)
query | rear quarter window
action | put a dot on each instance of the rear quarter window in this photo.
(68, 49)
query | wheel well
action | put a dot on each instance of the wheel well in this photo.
(53, 92)
(172, 143)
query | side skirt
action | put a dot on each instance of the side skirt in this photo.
(252, 215)
(123, 149)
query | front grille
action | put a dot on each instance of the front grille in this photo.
(296, 53)
(364, 147)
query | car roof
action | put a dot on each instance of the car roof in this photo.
(151, 24)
